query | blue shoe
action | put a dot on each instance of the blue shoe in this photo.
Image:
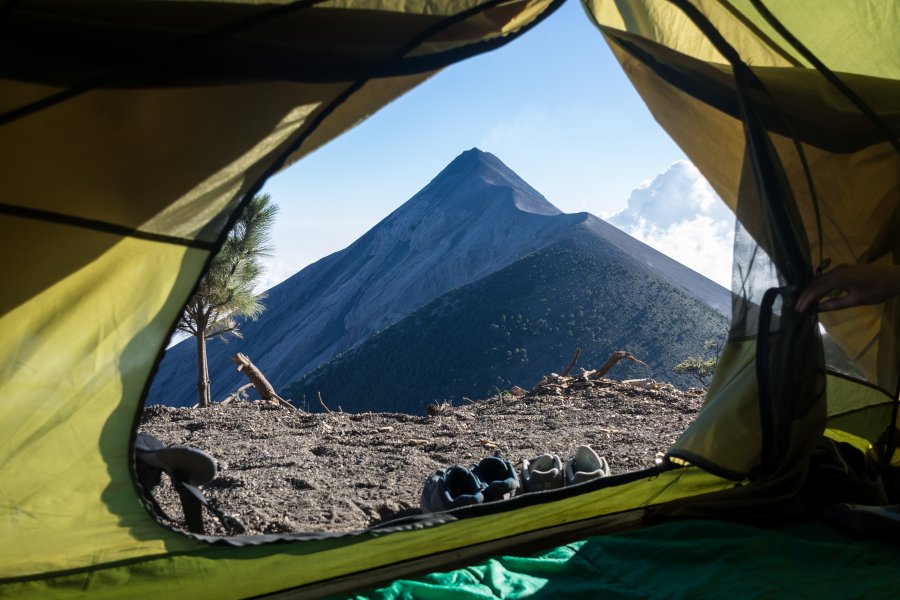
(498, 476)
(451, 488)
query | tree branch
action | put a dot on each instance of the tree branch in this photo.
(572, 362)
(614, 358)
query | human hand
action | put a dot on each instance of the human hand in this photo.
(853, 285)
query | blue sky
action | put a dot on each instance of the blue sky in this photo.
(554, 105)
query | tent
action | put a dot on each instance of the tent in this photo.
(133, 131)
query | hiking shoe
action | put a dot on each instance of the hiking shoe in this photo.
(498, 476)
(544, 472)
(191, 465)
(585, 465)
(451, 488)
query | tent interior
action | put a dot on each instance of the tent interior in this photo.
(802, 98)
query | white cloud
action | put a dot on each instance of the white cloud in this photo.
(679, 214)
(277, 269)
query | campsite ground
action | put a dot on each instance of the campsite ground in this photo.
(289, 471)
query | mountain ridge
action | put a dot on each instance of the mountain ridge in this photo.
(474, 217)
(580, 291)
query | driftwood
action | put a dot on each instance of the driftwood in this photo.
(259, 381)
(572, 362)
(612, 360)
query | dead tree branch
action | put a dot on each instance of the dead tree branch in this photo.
(236, 394)
(614, 358)
(322, 403)
(259, 381)
(572, 362)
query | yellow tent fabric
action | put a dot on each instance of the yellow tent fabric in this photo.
(132, 130)
(842, 171)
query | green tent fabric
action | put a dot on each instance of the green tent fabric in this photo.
(692, 559)
(133, 131)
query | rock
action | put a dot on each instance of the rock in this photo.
(644, 384)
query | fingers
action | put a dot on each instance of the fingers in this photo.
(859, 284)
(838, 303)
(827, 283)
(804, 301)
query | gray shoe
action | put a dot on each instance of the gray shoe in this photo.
(585, 465)
(544, 472)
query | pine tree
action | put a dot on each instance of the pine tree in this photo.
(226, 292)
(701, 368)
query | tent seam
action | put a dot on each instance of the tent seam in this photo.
(830, 75)
(759, 33)
(173, 54)
(103, 226)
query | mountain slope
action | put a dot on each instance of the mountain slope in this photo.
(587, 289)
(475, 217)
(689, 281)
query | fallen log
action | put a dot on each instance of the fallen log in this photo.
(259, 381)
(611, 362)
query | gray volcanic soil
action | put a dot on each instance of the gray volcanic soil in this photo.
(290, 471)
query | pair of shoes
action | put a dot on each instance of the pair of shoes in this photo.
(493, 478)
(546, 472)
